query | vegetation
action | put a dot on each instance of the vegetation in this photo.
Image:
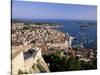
(89, 65)
(20, 72)
(26, 28)
(60, 63)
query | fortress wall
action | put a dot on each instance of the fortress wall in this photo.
(18, 64)
(28, 64)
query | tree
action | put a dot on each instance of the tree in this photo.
(73, 64)
(59, 63)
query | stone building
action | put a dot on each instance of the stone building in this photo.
(30, 61)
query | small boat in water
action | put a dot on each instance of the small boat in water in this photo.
(84, 26)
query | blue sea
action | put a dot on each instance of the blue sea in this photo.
(85, 31)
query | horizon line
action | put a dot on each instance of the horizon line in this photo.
(49, 19)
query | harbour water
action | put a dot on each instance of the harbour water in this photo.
(84, 31)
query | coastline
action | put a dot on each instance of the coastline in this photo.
(46, 40)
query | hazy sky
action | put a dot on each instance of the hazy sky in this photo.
(37, 10)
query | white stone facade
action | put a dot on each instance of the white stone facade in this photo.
(26, 66)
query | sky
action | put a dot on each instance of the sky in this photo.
(40, 10)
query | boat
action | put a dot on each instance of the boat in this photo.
(84, 26)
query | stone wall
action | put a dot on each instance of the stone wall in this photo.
(18, 64)
(33, 64)
(36, 60)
